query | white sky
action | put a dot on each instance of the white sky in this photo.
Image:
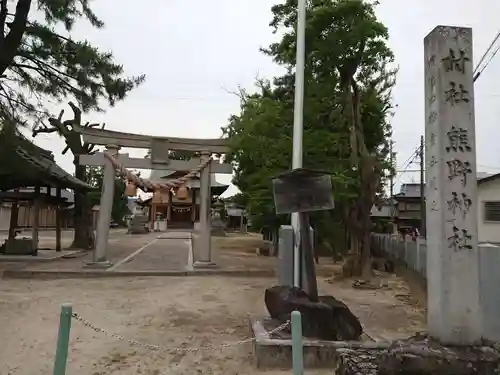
(193, 52)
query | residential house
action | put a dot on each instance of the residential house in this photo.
(408, 203)
(382, 215)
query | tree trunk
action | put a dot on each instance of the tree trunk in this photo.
(356, 249)
(276, 238)
(366, 264)
(84, 234)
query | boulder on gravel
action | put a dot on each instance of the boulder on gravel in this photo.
(328, 319)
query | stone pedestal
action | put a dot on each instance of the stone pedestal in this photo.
(275, 352)
(19, 246)
(202, 264)
(285, 257)
(218, 228)
(454, 314)
(139, 224)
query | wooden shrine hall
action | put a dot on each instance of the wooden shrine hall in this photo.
(181, 210)
(25, 165)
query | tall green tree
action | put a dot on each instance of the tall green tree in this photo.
(40, 61)
(347, 105)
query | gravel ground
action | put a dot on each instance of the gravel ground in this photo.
(173, 312)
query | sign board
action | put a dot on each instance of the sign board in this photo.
(302, 190)
(159, 151)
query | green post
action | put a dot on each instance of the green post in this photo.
(297, 347)
(63, 340)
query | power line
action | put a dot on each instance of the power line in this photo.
(478, 70)
(408, 163)
(487, 50)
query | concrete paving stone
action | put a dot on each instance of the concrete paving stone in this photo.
(162, 255)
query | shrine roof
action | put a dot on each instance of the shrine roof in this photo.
(23, 164)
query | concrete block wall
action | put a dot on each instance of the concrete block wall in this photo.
(414, 255)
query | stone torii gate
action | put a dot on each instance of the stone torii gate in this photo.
(160, 147)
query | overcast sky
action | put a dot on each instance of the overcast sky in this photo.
(193, 52)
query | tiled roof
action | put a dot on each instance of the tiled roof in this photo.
(23, 164)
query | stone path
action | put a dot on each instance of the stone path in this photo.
(168, 252)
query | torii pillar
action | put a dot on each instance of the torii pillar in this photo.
(203, 247)
(105, 209)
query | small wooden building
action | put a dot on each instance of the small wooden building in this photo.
(30, 177)
(47, 213)
(173, 211)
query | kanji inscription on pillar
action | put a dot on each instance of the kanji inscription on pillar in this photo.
(452, 260)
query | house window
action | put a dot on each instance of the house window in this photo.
(492, 211)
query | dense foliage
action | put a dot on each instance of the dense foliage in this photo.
(347, 74)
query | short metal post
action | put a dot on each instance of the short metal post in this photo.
(297, 347)
(63, 340)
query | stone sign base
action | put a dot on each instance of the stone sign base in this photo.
(275, 352)
(420, 357)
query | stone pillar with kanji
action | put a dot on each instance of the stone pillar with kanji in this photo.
(454, 313)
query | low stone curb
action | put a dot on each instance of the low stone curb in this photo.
(36, 259)
(56, 274)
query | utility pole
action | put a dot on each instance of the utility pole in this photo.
(422, 189)
(391, 181)
(391, 187)
(298, 128)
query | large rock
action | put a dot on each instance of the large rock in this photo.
(328, 319)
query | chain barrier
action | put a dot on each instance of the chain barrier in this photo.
(126, 174)
(158, 348)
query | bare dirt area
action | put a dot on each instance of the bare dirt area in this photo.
(180, 314)
(238, 251)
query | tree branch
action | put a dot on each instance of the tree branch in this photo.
(48, 72)
(77, 112)
(13, 39)
(42, 128)
(4, 11)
